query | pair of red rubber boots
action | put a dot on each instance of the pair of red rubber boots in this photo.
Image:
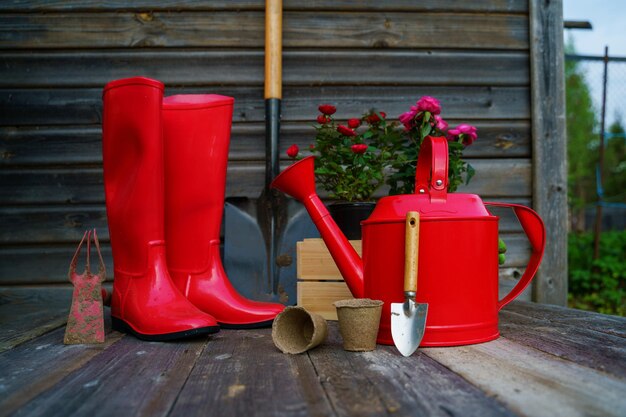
(164, 174)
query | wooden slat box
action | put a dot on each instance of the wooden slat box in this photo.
(319, 282)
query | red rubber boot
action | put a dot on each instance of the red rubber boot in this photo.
(197, 134)
(145, 301)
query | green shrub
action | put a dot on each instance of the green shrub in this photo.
(598, 285)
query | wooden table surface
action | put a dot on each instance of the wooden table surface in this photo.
(549, 361)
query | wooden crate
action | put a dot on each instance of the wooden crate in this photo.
(319, 281)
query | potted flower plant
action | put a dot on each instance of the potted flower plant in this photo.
(424, 119)
(353, 160)
(356, 158)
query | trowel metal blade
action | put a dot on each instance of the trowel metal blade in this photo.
(407, 325)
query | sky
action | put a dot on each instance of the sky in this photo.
(608, 18)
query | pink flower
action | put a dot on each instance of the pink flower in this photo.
(292, 151)
(429, 104)
(440, 123)
(467, 133)
(354, 123)
(323, 119)
(345, 130)
(408, 119)
(327, 109)
(359, 148)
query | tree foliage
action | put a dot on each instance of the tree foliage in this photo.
(614, 179)
(581, 137)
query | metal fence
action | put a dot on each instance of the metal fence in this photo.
(606, 78)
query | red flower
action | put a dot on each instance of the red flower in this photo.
(323, 119)
(345, 130)
(359, 148)
(327, 109)
(292, 151)
(354, 123)
(373, 118)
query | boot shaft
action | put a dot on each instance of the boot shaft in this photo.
(197, 136)
(132, 153)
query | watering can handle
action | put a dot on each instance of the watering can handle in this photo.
(431, 175)
(536, 234)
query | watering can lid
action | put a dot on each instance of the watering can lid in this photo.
(456, 206)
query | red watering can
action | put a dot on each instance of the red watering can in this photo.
(458, 268)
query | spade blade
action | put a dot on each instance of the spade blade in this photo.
(408, 321)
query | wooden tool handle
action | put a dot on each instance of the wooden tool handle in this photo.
(411, 247)
(273, 48)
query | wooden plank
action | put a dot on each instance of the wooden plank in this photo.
(36, 366)
(74, 106)
(549, 146)
(46, 69)
(383, 383)
(51, 224)
(241, 372)
(533, 383)
(493, 179)
(130, 377)
(586, 347)
(612, 325)
(314, 261)
(66, 224)
(26, 313)
(245, 29)
(508, 277)
(318, 297)
(44, 264)
(503, 6)
(33, 146)
(41, 263)
(66, 186)
(60, 145)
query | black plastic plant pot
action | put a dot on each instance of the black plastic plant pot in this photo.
(349, 215)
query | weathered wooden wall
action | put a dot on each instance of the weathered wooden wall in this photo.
(55, 57)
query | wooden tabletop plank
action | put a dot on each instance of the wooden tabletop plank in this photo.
(37, 365)
(614, 325)
(550, 361)
(588, 347)
(534, 383)
(382, 382)
(26, 313)
(130, 378)
(242, 373)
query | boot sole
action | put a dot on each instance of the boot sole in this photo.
(259, 325)
(122, 326)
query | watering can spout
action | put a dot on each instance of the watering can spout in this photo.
(298, 181)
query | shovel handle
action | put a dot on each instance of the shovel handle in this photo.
(273, 48)
(411, 248)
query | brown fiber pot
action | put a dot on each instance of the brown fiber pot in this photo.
(296, 330)
(359, 319)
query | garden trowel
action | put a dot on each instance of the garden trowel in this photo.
(408, 319)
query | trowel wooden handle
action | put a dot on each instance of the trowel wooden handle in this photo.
(411, 247)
